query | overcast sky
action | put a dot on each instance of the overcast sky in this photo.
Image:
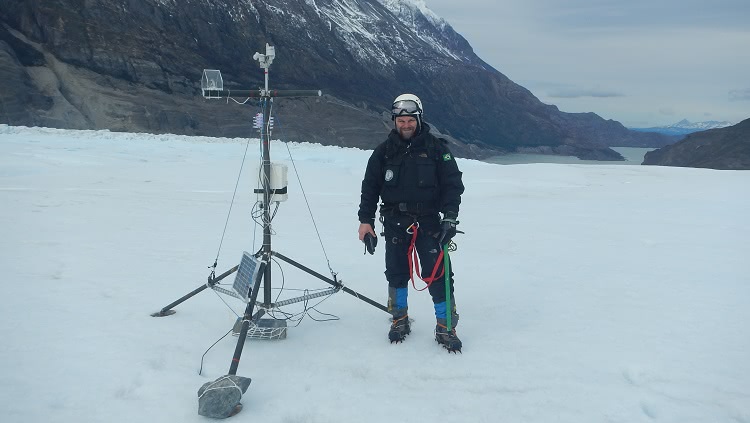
(640, 62)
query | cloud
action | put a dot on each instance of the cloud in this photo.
(667, 111)
(583, 92)
(613, 15)
(739, 95)
(622, 60)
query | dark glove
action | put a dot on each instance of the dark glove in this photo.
(370, 243)
(447, 229)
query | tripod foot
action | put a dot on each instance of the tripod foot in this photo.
(163, 313)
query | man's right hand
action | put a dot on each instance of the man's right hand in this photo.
(366, 228)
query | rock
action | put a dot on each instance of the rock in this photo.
(219, 399)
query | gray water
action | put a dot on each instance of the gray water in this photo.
(632, 155)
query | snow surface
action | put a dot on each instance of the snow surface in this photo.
(587, 293)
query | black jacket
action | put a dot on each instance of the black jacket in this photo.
(419, 177)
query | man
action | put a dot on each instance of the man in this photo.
(416, 177)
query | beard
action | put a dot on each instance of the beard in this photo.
(406, 134)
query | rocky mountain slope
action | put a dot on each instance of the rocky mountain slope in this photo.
(135, 65)
(723, 148)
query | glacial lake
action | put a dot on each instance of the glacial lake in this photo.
(632, 155)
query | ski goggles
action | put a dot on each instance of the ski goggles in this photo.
(405, 107)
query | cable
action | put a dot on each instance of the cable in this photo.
(283, 279)
(305, 311)
(238, 102)
(225, 303)
(209, 349)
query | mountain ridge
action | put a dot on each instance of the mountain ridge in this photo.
(85, 74)
(725, 148)
(685, 127)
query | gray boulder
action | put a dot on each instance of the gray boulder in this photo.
(220, 399)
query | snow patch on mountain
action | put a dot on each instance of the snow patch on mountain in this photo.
(370, 35)
(358, 28)
(685, 127)
(291, 17)
(404, 8)
(252, 9)
(379, 33)
(700, 126)
(427, 25)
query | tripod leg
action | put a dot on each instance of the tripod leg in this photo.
(246, 322)
(330, 281)
(167, 310)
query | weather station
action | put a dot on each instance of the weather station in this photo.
(221, 397)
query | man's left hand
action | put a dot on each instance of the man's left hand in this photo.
(447, 230)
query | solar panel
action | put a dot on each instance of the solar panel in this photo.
(246, 274)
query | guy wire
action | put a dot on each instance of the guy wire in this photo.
(231, 204)
(309, 210)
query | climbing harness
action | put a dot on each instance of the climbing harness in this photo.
(413, 229)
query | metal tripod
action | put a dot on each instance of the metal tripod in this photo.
(213, 88)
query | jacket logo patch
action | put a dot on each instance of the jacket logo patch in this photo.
(446, 157)
(423, 155)
(388, 175)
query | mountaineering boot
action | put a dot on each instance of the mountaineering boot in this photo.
(397, 306)
(399, 329)
(449, 340)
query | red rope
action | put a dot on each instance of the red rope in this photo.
(414, 261)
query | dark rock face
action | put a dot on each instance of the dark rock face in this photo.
(723, 148)
(135, 65)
